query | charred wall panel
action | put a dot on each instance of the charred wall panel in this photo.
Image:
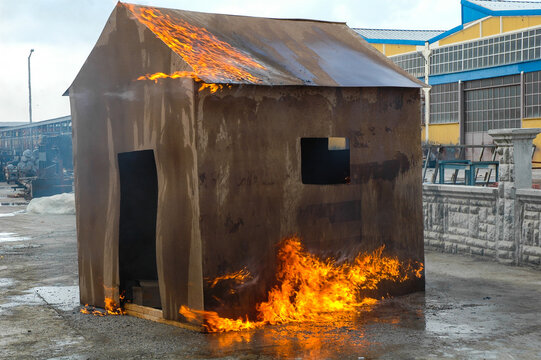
(113, 113)
(251, 189)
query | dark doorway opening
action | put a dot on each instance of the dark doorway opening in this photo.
(137, 228)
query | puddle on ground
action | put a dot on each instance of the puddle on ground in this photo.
(311, 340)
(70, 357)
(5, 282)
(29, 299)
(60, 297)
(63, 298)
(17, 249)
(12, 213)
(67, 342)
(9, 237)
(347, 335)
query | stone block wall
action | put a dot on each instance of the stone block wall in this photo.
(500, 223)
(529, 216)
(489, 222)
(460, 219)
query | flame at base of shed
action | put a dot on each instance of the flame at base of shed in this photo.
(311, 289)
(111, 308)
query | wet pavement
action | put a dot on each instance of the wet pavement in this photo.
(472, 309)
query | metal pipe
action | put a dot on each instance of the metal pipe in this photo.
(30, 87)
(426, 54)
(461, 125)
(522, 88)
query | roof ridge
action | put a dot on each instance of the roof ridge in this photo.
(357, 28)
(233, 15)
(511, 2)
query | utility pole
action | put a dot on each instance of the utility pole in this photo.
(426, 54)
(30, 101)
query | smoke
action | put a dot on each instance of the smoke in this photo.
(125, 95)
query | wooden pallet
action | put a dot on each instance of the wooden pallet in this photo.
(148, 313)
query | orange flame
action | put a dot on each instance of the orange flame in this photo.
(214, 323)
(184, 74)
(175, 75)
(239, 277)
(313, 289)
(87, 309)
(111, 308)
(213, 87)
(208, 56)
(419, 271)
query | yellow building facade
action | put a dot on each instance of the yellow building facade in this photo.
(484, 74)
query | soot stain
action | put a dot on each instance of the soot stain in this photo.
(233, 226)
(335, 212)
(386, 170)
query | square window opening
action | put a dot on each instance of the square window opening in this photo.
(325, 161)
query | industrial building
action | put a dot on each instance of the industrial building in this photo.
(37, 156)
(485, 73)
(17, 137)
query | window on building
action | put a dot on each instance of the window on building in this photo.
(444, 103)
(482, 53)
(325, 161)
(492, 103)
(532, 94)
(413, 63)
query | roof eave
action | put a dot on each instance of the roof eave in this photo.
(447, 33)
(491, 12)
(394, 41)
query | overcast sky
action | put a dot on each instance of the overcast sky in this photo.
(63, 32)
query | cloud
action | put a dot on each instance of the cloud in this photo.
(424, 14)
(52, 21)
(63, 33)
(51, 76)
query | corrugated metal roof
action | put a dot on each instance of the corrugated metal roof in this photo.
(499, 5)
(271, 51)
(4, 124)
(397, 34)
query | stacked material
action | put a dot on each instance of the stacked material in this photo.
(29, 162)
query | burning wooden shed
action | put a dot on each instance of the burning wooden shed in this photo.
(203, 140)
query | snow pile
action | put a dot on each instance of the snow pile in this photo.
(61, 204)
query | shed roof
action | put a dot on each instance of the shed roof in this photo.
(250, 50)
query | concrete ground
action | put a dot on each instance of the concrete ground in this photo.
(471, 309)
